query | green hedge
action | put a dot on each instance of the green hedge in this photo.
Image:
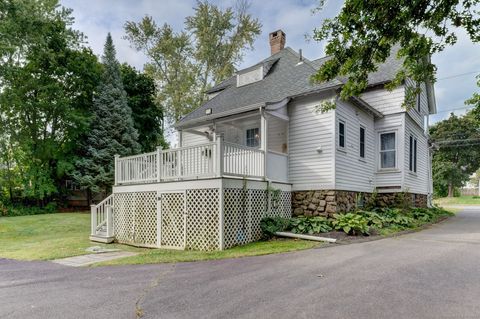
(10, 210)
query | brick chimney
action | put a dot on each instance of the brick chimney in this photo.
(277, 41)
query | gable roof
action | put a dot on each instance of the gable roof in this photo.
(284, 76)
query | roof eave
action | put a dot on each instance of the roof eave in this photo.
(208, 118)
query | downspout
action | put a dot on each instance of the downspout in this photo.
(430, 156)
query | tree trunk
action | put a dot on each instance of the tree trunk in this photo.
(89, 196)
(450, 189)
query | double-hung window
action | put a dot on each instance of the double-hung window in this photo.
(412, 166)
(388, 150)
(252, 138)
(341, 134)
(362, 142)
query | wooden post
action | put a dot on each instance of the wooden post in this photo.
(219, 156)
(179, 163)
(263, 140)
(159, 163)
(109, 217)
(116, 169)
(93, 219)
(221, 217)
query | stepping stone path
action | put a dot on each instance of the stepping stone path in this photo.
(89, 259)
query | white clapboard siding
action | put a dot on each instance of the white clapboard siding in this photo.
(191, 139)
(390, 123)
(416, 182)
(419, 116)
(386, 102)
(352, 172)
(277, 134)
(310, 130)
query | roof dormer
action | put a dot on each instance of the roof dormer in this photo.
(250, 75)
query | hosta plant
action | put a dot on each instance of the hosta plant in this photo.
(309, 225)
(350, 223)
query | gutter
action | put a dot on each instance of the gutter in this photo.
(219, 115)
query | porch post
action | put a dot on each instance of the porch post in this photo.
(263, 139)
(218, 161)
(93, 220)
(159, 163)
(116, 169)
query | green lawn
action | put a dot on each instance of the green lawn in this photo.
(463, 200)
(52, 236)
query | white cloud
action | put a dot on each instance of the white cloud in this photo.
(95, 18)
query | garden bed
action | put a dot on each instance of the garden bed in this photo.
(358, 226)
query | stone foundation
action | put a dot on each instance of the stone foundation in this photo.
(328, 202)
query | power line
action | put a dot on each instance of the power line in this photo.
(457, 75)
(456, 109)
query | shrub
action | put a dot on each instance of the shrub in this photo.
(373, 219)
(309, 225)
(20, 210)
(351, 223)
(271, 225)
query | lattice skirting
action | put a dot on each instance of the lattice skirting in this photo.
(194, 219)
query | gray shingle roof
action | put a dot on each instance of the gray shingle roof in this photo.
(286, 77)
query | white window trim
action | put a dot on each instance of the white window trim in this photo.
(379, 152)
(259, 134)
(412, 154)
(344, 147)
(364, 143)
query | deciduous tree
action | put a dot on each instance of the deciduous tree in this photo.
(185, 64)
(362, 35)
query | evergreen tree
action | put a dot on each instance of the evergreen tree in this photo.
(147, 116)
(112, 129)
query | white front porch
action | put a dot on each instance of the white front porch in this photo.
(250, 146)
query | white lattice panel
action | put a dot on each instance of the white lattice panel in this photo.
(243, 211)
(281, 205)
(135, 219)
(173, 220)
(203, 219)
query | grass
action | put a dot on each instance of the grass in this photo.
(52, 236)
(462, 200)
(154, 256)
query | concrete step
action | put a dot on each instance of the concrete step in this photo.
(102, 238)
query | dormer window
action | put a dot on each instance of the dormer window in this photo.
(250, 76)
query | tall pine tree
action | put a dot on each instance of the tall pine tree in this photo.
(112, 129)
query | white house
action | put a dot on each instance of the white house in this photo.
(259, 146)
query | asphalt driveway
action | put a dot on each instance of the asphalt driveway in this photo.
(430, 274)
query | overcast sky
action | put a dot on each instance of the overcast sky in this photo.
(95, 18)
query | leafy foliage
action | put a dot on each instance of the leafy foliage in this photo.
(271, 225)
(458, 155)
(187, 63)
(147, 116)
(351, 223)
(11, 210)
(365, 33)
(309, 225)
(47, 80)
(112, 130)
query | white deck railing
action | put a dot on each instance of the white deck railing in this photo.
(242, 160)
(102, 218)
(213, 159)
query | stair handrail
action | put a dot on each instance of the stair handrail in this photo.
(101, 214)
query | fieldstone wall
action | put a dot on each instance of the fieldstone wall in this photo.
(328, 202)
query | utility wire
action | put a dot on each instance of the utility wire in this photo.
(457, 75)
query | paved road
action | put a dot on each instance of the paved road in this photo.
(430, 274)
